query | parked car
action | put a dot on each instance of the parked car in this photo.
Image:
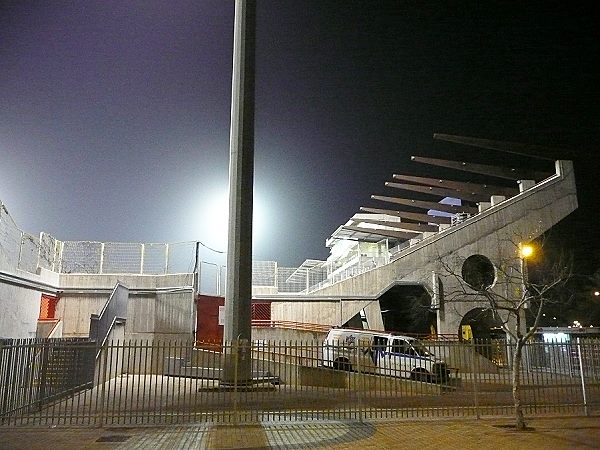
(382, 353)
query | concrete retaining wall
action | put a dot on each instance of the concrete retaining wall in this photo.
(20, 304)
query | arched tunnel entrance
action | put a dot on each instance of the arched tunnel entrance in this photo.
(480, 324)
(404, 308)
(482, 327)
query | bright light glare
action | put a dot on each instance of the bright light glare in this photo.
(213, 219)
(526, 251)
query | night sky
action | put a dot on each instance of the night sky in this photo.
(114, 115)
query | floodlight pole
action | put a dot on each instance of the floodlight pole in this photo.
(238, 296)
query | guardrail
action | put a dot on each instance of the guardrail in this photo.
(114, 310)
(290, 325)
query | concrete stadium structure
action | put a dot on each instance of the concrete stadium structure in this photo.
(371, 256)
(490, 233)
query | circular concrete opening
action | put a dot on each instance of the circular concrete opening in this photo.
(478, 272)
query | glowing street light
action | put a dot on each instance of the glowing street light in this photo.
(526, 251)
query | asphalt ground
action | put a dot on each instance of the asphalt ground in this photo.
(543, 433)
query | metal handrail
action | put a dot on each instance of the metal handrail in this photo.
(291, 325)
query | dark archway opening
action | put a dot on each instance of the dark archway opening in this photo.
(484, 325)
(484, 329)
(407, 309)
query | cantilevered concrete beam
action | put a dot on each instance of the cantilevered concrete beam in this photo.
(426, 218)
(400, 235)
(407, 226)
(427, 205)
(439, 191)
(483, 169)
(515, 148)
(462, 186)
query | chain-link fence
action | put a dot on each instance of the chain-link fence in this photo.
(23, 251)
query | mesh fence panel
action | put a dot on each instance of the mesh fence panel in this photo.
(155, 259)
(81, 257)
(122, 257)
(283, 285)
(316, 275)
(47, 251)
(181, 257)
(28, 257)
(10, 238)
(209, 279)
(264, 273)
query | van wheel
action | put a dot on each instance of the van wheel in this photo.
(420, 375)
(342, 364)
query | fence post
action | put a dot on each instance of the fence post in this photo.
(102, 376)
(235, 348)
(5, 371)
(475, 378)
(581, 373)
(43, 372)
(143, 250)
(101, 258)
(20, 250)
(359, 382)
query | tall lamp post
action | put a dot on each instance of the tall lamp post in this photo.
(526, 251)
(238, 296)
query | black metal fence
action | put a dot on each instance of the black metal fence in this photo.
(145, 382)
(35, 373)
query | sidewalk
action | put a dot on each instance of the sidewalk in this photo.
(544, 433)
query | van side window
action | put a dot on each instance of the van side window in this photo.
(402, 347)
(398, 346)
(380, 343)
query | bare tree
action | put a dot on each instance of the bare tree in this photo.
(510, 290)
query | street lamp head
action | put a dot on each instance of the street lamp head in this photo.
(526, 251)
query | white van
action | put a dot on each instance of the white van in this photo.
(382, 353)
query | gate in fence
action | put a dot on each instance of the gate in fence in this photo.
(60, 382)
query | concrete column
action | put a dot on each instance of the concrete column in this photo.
(484, 205)
(238, 295)
(496, 199)
(525, 184)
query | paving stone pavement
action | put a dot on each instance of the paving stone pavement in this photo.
(544, 433)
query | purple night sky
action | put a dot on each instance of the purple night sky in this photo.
(114, 115)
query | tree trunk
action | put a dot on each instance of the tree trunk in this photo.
(516, 385)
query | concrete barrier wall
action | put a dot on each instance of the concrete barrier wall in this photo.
(160, 307)
(20, 303)
(284, 334)
(462, 357)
